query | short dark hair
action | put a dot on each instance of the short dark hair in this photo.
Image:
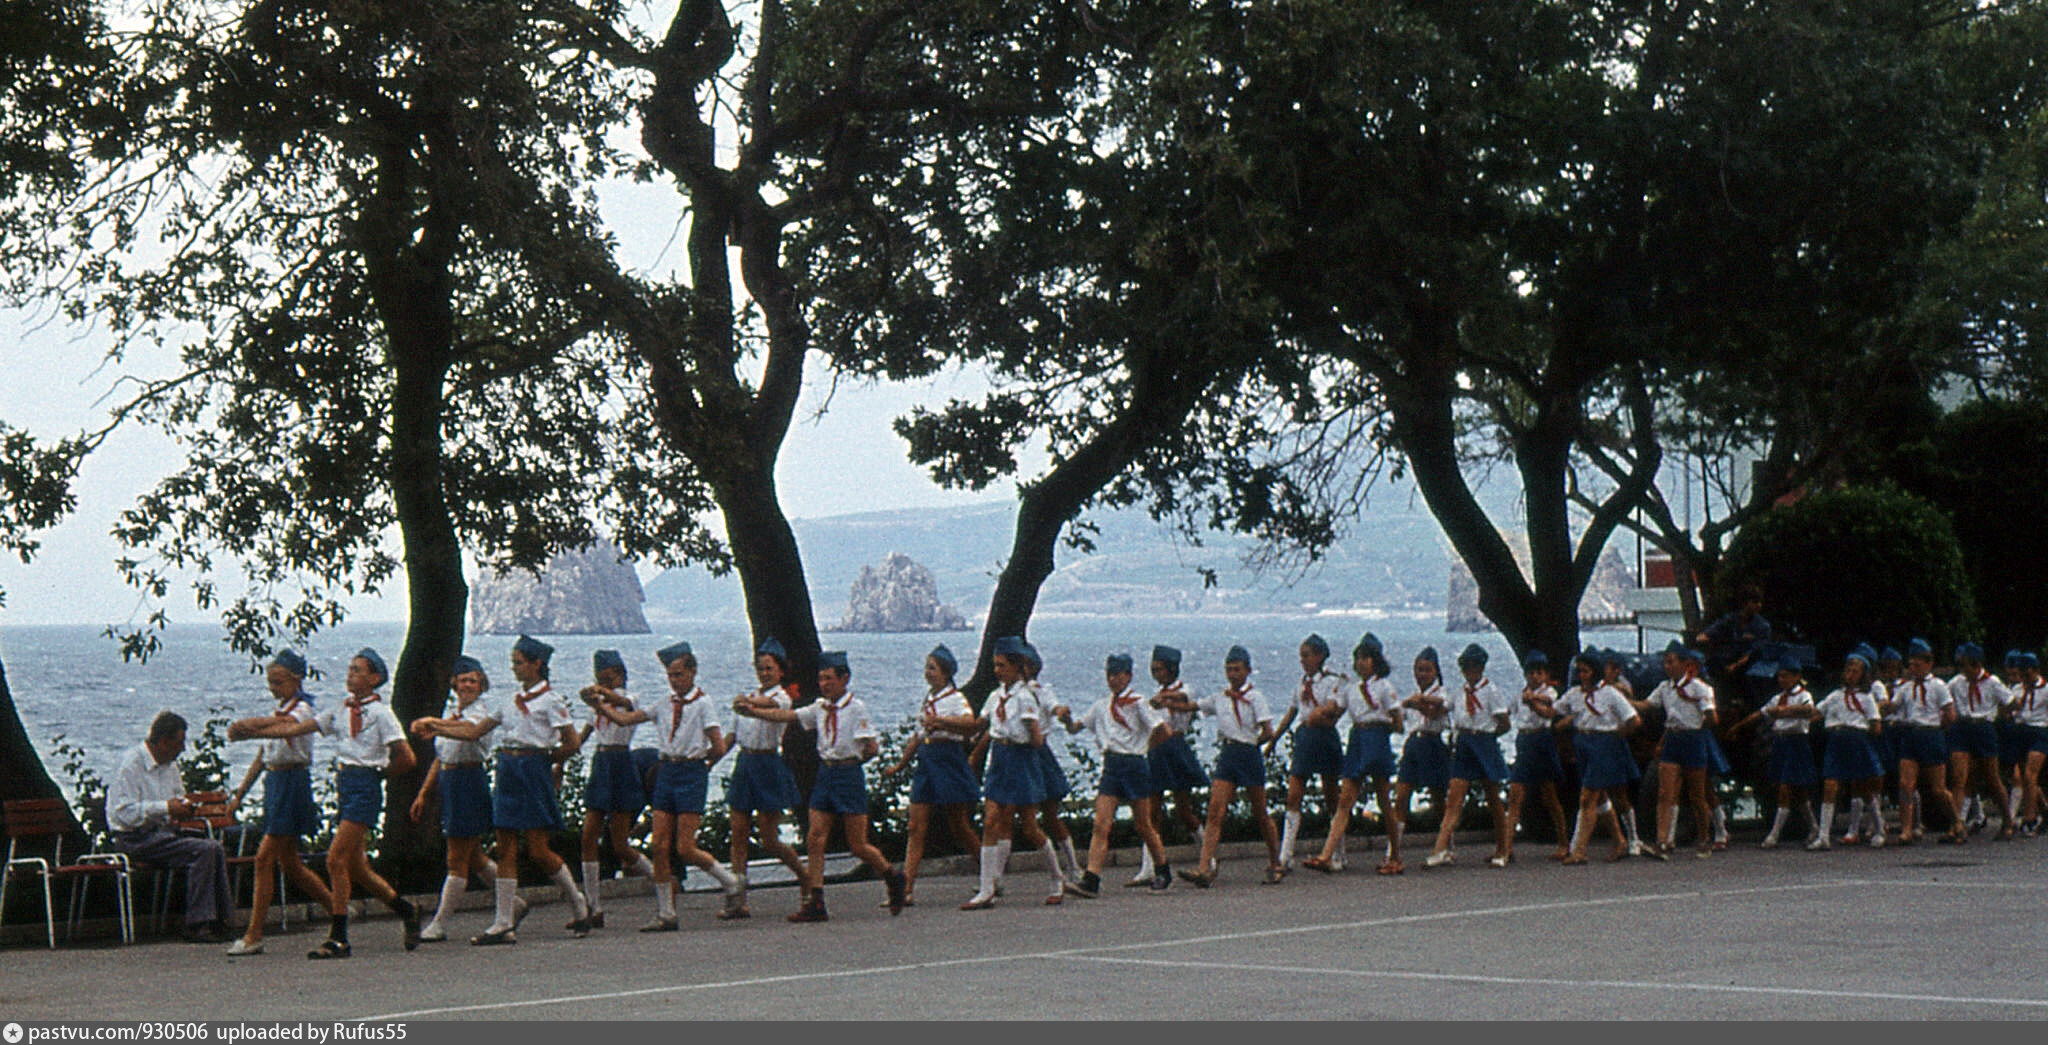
(166, 725)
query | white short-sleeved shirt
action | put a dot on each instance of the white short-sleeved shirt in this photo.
(2030, 703)
(1799, 696)
(1474, 706)
(840, 727)
(685, 733)
(285, 752)
(1010, 712)
(1180, 721)
(453, 752)
(945, 703)
(540, 725)
(1317, 690)
(1373, 702)
(1685, 702)
(140, 793)
(606, 733)
(1525, 717)
(1425, 722)
(754, 734)
(1128, 729)
(1845, 710)
(369, 747)
(1923, 700)
(1990, 694)
(1604, 710)
(1898, 711)
(1237, 718)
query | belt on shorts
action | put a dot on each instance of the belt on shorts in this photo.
(1847, 729)
(681, 759)
(614, 747)
(281, 767)
(1530, 732)
(1227, 742)
(840, 761)
(757, 751)
(944, 740)
(1010, 743)
(445, 764)
(339, 769)
(508, 749)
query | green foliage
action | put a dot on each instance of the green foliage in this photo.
(1857, 564)
(1989, 457)
(205, 765)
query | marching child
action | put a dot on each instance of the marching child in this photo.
(846, 740)
(761, 787)
(943, 780)
(1244, 725)
(1175, 769)
(1480, 715)
(1852, 720)
(1685, 757)
(1923, 751)
(1126, 726)
(457, 776)
(1318, 701)
(1602, 718)
(612, 797)
(371, 744)
(1057, 788)
(1792, 767)
(2030, 718)
(1425, 761)
(1374, 707)
(1978, 697)
(289, 812)
(1536, 762)
(1012, 788)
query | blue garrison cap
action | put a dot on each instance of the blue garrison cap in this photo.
(1429, 654)
(670, 654)
(1864, 653)
(1790, 664)
(607, 658)
(1612, 656)
(1117, 662)
(1970, 651)
(2028, 660)
(1238, 654)
(833, 659)
(534, 649)
(1590, 656)
(289, 659)
(1919, 648)
(1888, 654)
(464, 665)
(376, 662)
(1535, 659)
(948, 663)
(1320, 645)
(1369, 643)
(1166, 655)
(773, 648)
(1009, 646)
(2012, 658)
(1031, 654)
(1474, 655)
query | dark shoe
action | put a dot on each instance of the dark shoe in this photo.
(1198, 879)
(409, 919)
(898, 889)
(580, 928)
(814, 911)
(1317, 863)
(328, 949)
(494, 938)
(1088, 888)
(595, 921)
(662, 925)
(1162, 879)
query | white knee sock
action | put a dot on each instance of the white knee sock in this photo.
(1778, 823)
(1873, 812)
(590, 872)
(991, 871)
(2012, 805)
(1582, 832)
(1145, 868)
(1288, 835)
(665, 898)
(1826, 823)
(489, 873)
(1053, 871)
(726, 879)
(1855, 816)
(641, 868)
(563, 878)
(1628, 825)
(1720, 824)
(508, 896)
(452, 888)
(1068, 865)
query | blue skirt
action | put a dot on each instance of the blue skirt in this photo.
(523, 798)
(1536, 759)
(841, 790)
(1850, 755)
(1975, 737)
(1127, 777)
(465, 802)
(288, 807)
(1371, 753)
(680, 788)
(942, 776)
(1718, 764)
(1425, 761)
(1175, 767)
(360, 793)
(614, 787)
(1240, 764)
(1604, 761)
(1688, 749)
(1051, 775)
(760, 782)
(1317, 751)
(1792, 761)
(1478, 758)
(1924, 745)
(1013, 778)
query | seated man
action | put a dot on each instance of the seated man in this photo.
(146, 795)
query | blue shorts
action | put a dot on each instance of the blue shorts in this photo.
(841, 790)
(360, 793)
(1792, 761)
(1051, 775)
(1012, 778)
(1371, 754)
(523, 798)
(1924, 745)
(760, 782)
(465, 802)
(1240, 764)
(1687, 749)
(1604, 761)
(1976, 737)
(1719, 766)
(2037, 740)
(2013, 743)
(680, 788)
(1536, 758)
(1477, 757)
(942, 776)
(288, 807)
(1850, 754)
(613, 787)
(1317, 752)
(1425, 761)
(1175, 767)
(1127, 777)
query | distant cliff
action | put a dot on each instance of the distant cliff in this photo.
(579, 593)
(900, 595)
(1603, 601)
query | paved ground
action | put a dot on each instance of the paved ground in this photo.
(1931, 932)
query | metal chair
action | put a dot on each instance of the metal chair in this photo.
(38, 822)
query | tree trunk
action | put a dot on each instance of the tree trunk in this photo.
(22, 774)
